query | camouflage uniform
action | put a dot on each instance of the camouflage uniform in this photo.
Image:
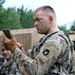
(52, 56)
(9, 68)
(1, 60)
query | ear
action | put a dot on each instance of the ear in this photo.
(51, 18)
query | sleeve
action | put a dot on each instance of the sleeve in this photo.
(29, 53)
(42, 62)
(16, 70)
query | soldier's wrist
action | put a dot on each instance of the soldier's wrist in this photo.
(14, 48)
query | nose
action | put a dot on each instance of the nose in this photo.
(4, 51)
(36, 23)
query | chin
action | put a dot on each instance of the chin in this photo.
(39, 33)
(6, 58)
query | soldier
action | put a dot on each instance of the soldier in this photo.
(51, 55)
(9, 67)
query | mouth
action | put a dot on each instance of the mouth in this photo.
(5, 55)
(37, 28)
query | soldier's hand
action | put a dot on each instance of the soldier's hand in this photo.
(9, 44)
(21, 47)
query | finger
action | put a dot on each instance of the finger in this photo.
(20, 46)
(4, 38)
(12, 36)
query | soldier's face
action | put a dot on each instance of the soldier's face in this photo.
(6, 53)
(42, 22)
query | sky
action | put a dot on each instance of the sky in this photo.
(65, 9)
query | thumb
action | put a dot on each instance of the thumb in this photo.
(4, 38)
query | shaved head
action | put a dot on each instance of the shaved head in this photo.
(48, 10)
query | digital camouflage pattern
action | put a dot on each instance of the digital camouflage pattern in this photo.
(46, 57)
(9, 68)
(1, 60)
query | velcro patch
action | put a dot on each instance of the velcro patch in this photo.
(46, 52)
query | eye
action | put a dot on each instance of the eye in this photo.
(3, 49)
(37, 19)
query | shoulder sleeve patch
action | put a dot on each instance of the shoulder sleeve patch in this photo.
(47, 52)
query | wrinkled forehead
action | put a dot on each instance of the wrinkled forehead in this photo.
(39, 14)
